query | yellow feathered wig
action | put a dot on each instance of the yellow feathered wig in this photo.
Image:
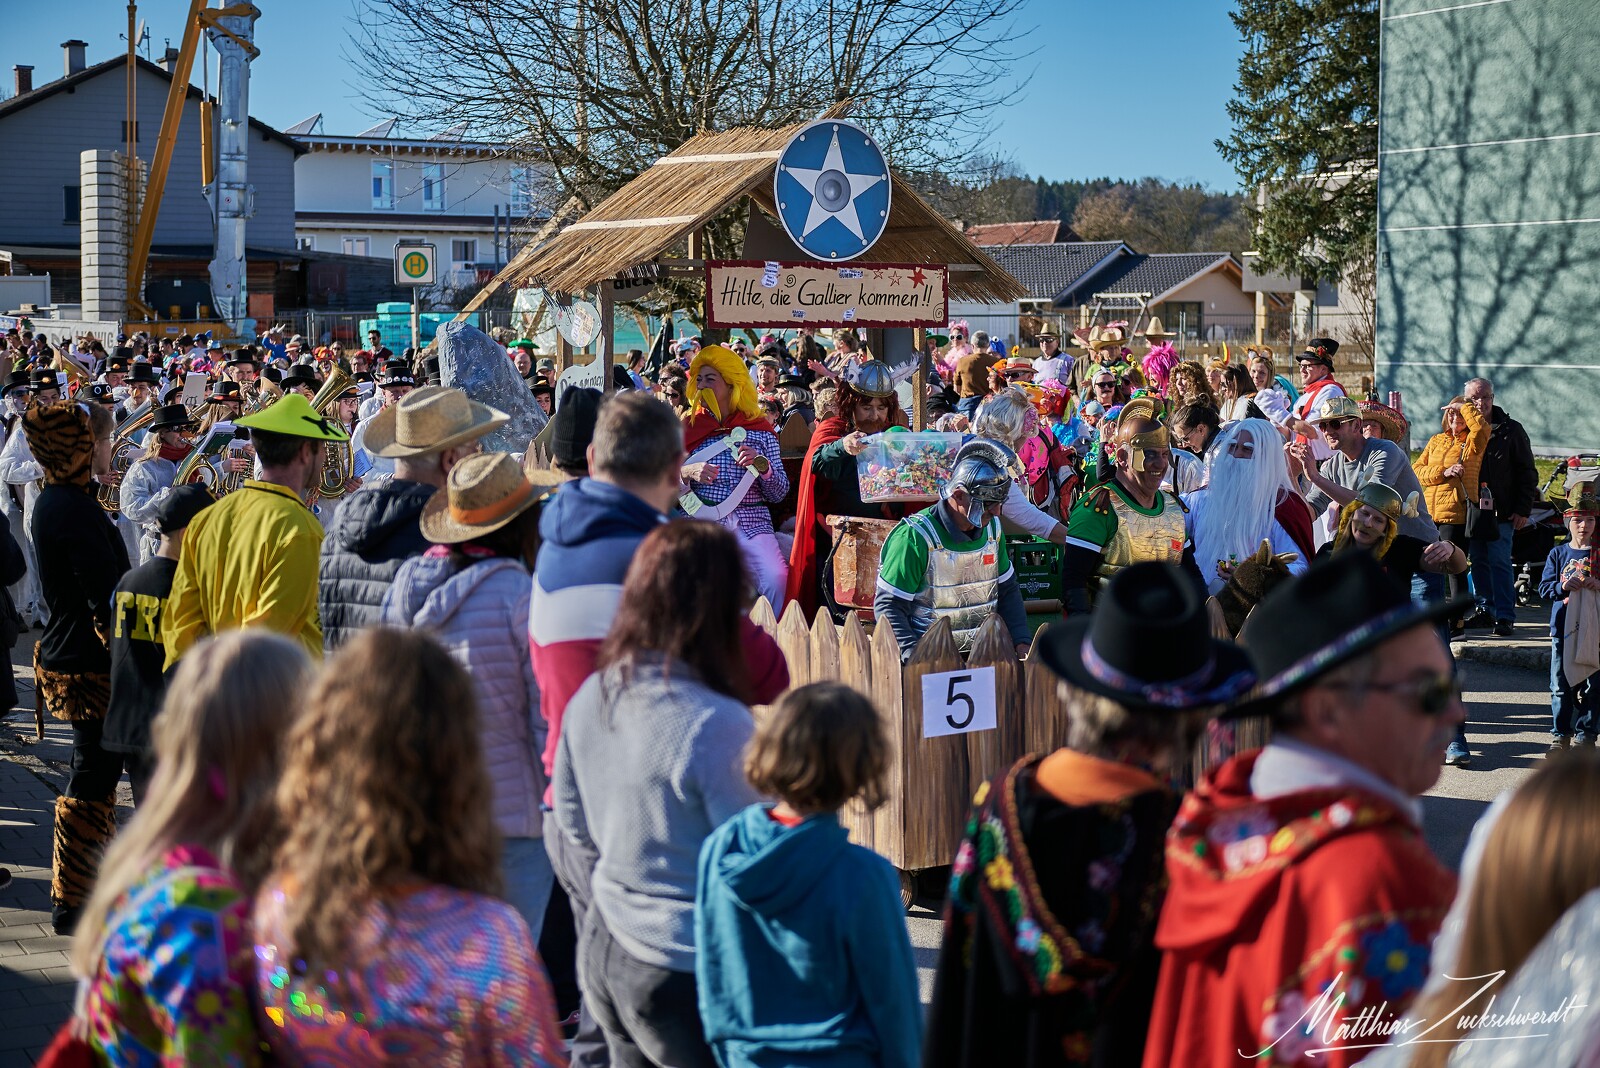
(733, 371)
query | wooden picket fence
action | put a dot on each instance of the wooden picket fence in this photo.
(932, 779)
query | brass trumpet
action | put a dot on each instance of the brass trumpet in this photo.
(124, 451)
(338, 463)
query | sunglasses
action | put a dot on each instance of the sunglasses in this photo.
(1105, 385)
(1431, 696)
(1335, 424)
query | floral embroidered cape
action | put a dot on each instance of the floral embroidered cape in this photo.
(173, 986)
(1287, 919)
(1047, 956)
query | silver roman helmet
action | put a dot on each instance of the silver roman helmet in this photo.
(986, 469)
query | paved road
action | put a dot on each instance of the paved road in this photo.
(1508, 729)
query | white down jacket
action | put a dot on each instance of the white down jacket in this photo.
(480, 614)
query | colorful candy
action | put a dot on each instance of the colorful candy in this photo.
(906, 467)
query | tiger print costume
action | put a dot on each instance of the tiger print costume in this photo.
(61, 437)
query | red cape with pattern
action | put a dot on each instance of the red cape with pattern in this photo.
(704, 424)
(1271, 901)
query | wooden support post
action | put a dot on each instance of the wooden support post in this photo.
(1044, 716)
(934, 770)
(606, 342)
(794, 638)
(888, 696)
(855, 671)
(991, 752)
(919, 383)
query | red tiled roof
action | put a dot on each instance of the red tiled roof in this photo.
(1038, 232)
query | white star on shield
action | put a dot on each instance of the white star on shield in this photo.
(833, 191)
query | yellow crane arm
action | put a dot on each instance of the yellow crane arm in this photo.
(166, 143)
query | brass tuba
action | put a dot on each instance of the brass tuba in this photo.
(124, 451)
(338, 463)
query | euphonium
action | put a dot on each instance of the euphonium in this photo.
(338, 463)
(124, 451)
(266, 393)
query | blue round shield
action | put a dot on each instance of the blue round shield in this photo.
(832, 190)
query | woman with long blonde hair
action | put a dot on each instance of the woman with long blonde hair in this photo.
(149, 479)
(163, 941)
(381, 936)
(1531, 863)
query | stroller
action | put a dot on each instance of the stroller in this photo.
(1546, 526)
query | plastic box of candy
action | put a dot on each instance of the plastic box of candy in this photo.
(904, 466)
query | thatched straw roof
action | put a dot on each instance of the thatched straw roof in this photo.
(707, 175)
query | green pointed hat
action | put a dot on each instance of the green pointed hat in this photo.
(294, 417)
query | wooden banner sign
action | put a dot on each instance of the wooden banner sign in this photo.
(773, 294)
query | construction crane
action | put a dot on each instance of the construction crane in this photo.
(223, 167)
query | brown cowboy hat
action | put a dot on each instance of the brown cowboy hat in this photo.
(428, 420)
(483, 494)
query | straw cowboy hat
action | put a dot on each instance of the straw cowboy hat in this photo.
(483, 494)
(428, 420)
(1154, 329)
(1103, 337)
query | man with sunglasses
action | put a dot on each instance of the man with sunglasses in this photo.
(1303, 897)
(1356, 460)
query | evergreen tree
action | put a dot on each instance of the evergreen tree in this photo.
(1305, 131)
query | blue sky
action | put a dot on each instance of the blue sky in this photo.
(1126, 89)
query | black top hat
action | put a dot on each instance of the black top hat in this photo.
(1148, 645)
(430, 367)
(142, 372)
(116, 365)
(182, 505)
(793, 380)
(362, 376)
(44, 378)
(300, 375)
(242, 357)
(574, 426)
(99, 392)
(14, 381)
(1342, 606)
(541, 388)
(1319, 350)
(226, 390)
(396, 373)
(171, 417)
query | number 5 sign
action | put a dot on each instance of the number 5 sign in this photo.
(958, 702)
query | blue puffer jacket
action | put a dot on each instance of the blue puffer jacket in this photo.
(377, 529)
(480, 614)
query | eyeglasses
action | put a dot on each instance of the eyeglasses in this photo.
(1431, 696)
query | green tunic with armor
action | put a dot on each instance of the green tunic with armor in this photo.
(1109, 522)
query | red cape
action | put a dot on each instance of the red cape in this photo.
(1295, 519)
(703, 424)
(803, 557)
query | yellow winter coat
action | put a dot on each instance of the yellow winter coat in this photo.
(1447, 497)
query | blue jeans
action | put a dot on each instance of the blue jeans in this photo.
(1573, 709)
(1429, 588)
(1492, 575)
(529, 878)
(968, 405)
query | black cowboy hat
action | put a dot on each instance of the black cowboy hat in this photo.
(172, 417)
(396, 373)
(1341, 607)
(141, 372)
(1147, 645)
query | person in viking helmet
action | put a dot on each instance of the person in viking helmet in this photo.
(949, 560)
(1128, 518)
(734, 470)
